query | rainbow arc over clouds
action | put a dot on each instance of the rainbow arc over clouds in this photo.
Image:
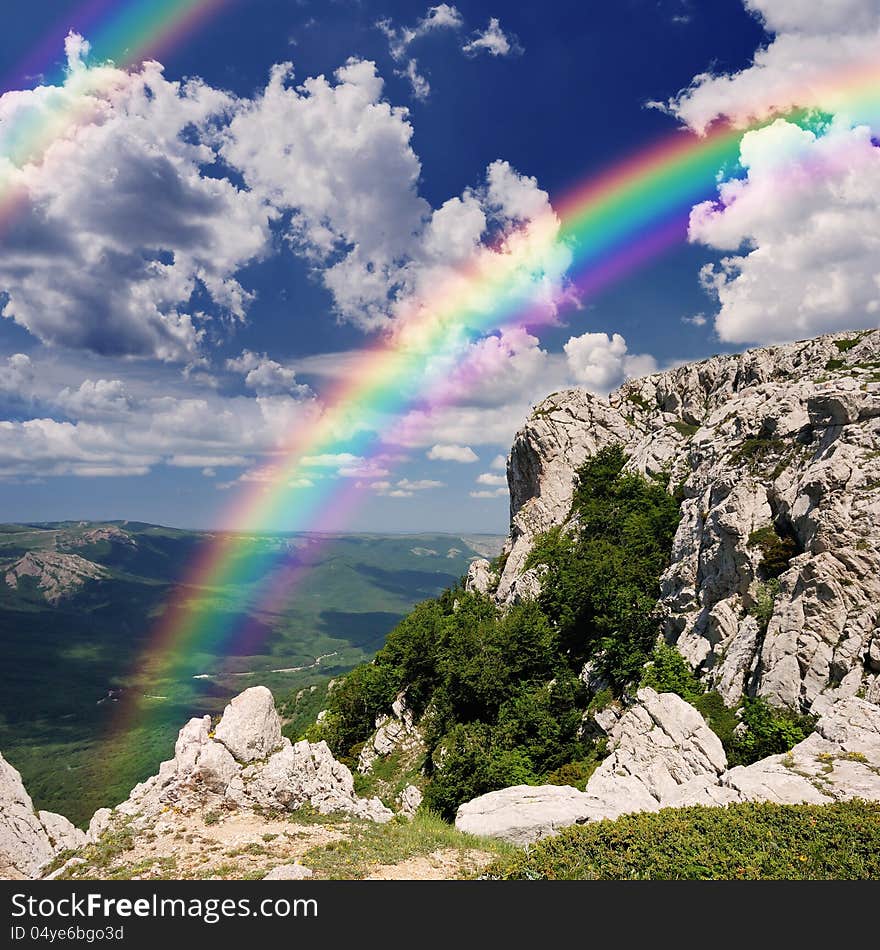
(608, 225)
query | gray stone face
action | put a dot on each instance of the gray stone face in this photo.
(770, 437)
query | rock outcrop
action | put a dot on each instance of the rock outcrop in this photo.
(776, 454)
(395, 733)
(29, 840)
(56, 575)
(246, 763)
(664, 755)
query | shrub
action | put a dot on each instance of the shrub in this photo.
(746, 841)
(668, 672)
(768, 731)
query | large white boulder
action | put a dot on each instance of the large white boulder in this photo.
(250, 727)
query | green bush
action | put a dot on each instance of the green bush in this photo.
(769, 731)
(668, 672)
(743, 841)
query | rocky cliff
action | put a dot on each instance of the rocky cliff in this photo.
(774, 585)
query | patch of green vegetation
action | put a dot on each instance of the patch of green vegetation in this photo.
(756, 449)
(371, 844)
(500, 696)
(116, 841)
(768, 731)
(685, 428)
(639, 400)
(844, 346)
(777, 550)
(834, 364)
(747, 841)
(765, 601)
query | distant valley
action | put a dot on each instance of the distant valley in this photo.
(79, 602)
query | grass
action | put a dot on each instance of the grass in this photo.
(746, 841)
(372, 844)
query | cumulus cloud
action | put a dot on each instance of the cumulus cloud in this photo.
(814, 45)
(16, 375)
(404, 487)
(805, 239)
(499, 463)
(493, 40)
(452, 453)
(601, 362)
(337, 158)
(96, 399)
(266, 376)
(117, 228)
(489, 478)
(488, 493)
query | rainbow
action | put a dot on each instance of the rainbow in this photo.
(607, 227)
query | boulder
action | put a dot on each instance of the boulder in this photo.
(409, 799)
(480, 579)
(289, 872)
(250, 727)
(523, 813)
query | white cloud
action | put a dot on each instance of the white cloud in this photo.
(16, 375)
(266, 376)
(493, 40)
(488, 493)
(499, 463)
(117, 228)
(452, 453)
(338, 159)
(601, 362)
(488, 478)
(697, 320)
(805, 228)
(815, 45)
(96, 399)
(419, 484)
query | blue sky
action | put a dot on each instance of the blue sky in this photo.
(144, 377)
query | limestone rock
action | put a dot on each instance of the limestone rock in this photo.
(63, 834)
(204, 773)
(662, 750)
(410, 799)
(250, 727)
(657, 746)
(24, 843)
(289, 872)
(480, 578)
(523, 813)
(663, 757)
(307, 773)
(840, 760)
(397, 732)
(784, 438)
